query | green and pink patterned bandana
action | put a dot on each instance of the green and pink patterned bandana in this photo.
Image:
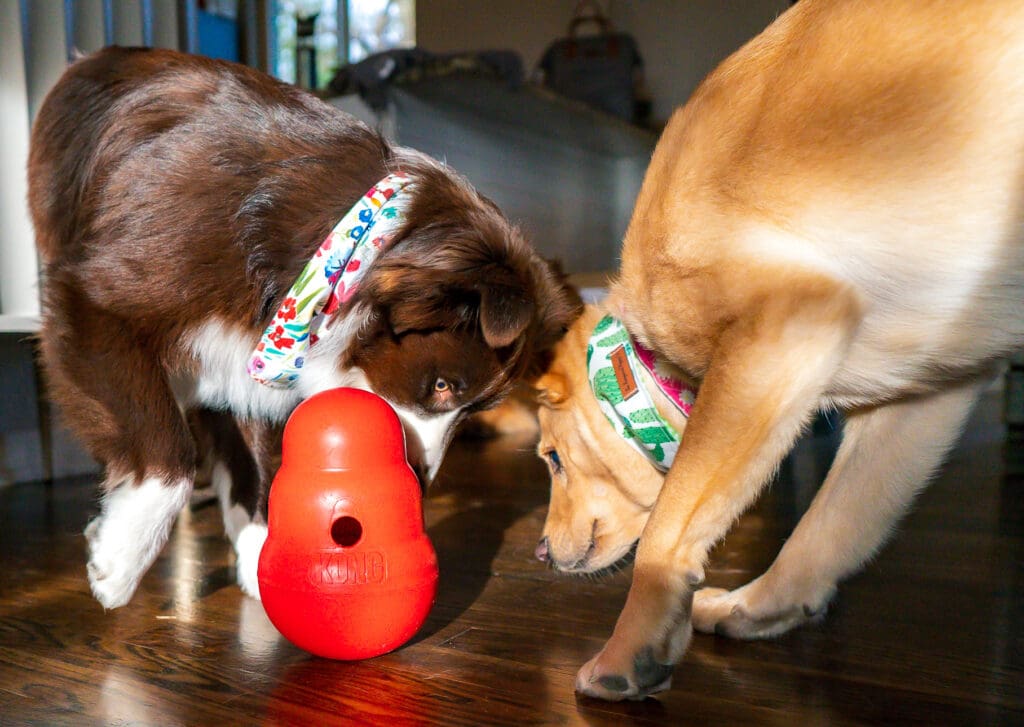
(329, 279)
(614, 362)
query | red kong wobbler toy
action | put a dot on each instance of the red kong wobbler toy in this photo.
(347, 570)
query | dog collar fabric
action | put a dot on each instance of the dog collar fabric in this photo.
(614, 362)
(329, 279)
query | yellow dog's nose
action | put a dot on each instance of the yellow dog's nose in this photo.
(541, 551)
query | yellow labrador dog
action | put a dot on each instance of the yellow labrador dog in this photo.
(834, 220)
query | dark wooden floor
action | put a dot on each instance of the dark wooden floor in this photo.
(931, 633)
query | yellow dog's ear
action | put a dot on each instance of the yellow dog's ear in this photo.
(552, 389)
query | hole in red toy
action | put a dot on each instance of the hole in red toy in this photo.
(346, 531)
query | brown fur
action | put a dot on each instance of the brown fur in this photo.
(177, 198)
(835, 219)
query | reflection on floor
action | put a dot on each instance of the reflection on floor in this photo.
(931, 633)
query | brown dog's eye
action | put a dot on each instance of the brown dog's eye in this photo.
(443, 394)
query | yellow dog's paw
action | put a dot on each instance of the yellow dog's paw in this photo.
(732, 614)
(635, 678)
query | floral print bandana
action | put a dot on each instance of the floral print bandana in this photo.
(614, 362)
(329, 279)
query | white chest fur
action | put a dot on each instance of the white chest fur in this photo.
(221, 381)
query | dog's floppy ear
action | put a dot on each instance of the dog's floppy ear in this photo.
(430, 310)
(437, 278)
(458, 261)
(423, 297)
(505, 309)
(552, 389)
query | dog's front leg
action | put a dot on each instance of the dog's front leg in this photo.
(116, 396)
(244, 454)
(765, 380)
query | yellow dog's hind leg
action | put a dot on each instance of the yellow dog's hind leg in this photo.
(886, 457)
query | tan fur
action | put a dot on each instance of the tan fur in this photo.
(603, 480)
(834, 220)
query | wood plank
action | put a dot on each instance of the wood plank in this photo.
(931, 633)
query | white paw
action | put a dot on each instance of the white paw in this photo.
(113, 575)
(248, 546)
(747, 614)
(126, 538)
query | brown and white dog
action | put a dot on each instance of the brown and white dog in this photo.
(834, 220)
(175, 200)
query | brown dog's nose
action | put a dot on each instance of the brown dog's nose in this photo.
(541, 551)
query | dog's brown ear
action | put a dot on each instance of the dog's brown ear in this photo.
(458, 262)
(429, 311)
(552, 389)
(505, 311)
(422, 298)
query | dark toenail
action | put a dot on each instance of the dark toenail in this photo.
(648, 671)
(614, 683)
(811, 612)
(694, 579)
